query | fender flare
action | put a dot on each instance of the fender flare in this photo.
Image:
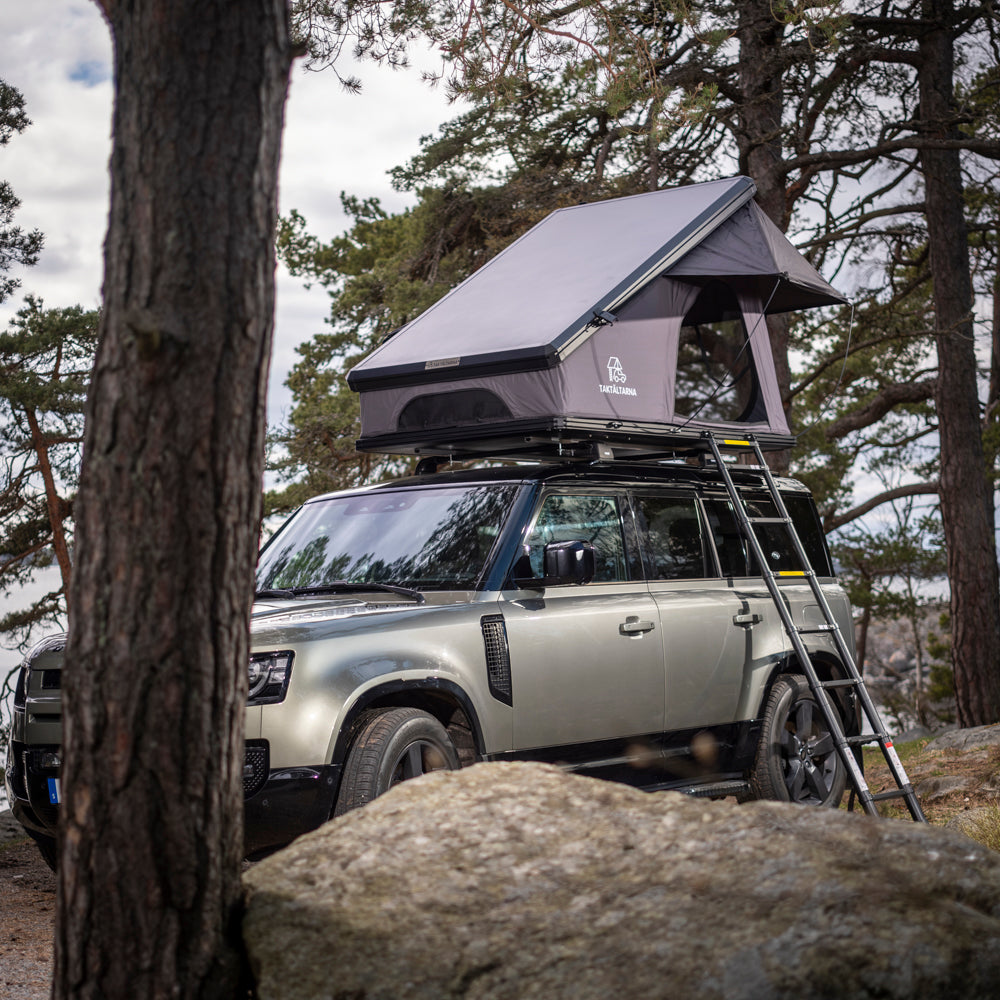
(398, 691)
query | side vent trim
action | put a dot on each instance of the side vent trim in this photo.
(497, 658)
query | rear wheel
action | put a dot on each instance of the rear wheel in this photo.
(797, 760)
(393, 746)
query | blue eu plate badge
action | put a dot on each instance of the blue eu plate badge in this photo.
(54, 791)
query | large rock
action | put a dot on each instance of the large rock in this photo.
(520, 881)
(967, 739)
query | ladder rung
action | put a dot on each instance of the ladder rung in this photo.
(893, 793)
(846, 682)
(814, 629)
(769, 520)
(860, 741)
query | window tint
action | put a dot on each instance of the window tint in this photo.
(716, 378)
(673, 537)
(729, 543)
(594, 519)
(774, 539)
(806, 520)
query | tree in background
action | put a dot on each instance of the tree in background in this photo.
(45, 361)
(887, 571)
(16, 246)
(838, 112)
(168, 508)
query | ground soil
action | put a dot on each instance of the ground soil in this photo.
(27, 914)
(949, 782)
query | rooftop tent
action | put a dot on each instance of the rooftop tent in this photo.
(635, 323)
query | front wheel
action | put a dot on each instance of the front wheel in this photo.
(390, 747)
(796, 759)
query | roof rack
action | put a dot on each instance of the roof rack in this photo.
(562, 439)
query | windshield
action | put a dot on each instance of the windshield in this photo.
(429, 539)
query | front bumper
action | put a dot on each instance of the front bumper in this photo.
(279, 805)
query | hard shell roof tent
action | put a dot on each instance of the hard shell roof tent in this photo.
(634, 324)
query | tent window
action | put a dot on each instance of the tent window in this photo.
(447, 409)
(716, 377)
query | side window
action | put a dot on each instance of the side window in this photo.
(807, 524)
(673, 537)
(574, 517)
(729, 542)
(774, 538)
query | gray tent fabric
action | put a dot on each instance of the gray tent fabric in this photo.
(637, 321)
(749, 245)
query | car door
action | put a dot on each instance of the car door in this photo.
(586, 661)
(707, 620)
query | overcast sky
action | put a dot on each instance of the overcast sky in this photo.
(58, 54)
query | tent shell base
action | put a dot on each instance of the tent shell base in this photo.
(564, 439)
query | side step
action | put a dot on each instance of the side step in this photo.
(711, 790)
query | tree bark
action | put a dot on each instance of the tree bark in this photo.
(156, 666)
(966, 492)
(759, 141)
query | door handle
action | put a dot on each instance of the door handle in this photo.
(746, 619)
(632, 626)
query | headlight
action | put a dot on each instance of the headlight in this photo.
(269, 674)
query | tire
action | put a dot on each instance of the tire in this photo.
(393, 746)
(796, 758)
(48, 849)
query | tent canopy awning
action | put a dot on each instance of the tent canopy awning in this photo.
(532, 305)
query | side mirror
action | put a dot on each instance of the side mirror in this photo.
(570, 562)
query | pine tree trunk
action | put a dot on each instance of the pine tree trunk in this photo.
(966, 492)
(53, 503)
(155, 680)
(761, 36)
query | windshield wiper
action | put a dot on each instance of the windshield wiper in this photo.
(342, 587)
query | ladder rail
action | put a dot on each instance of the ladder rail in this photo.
(869, 709)
(831, 715)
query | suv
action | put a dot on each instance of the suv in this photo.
(604, 617)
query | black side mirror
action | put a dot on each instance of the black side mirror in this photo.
(569, 562)
(564, 562)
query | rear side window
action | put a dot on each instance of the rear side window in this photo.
(672, 535)
(734, 554)
(729, 542)
(805, 517)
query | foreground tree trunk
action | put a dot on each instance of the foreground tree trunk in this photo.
(966, 491)
(167, 515)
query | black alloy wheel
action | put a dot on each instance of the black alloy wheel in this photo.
(796, 759)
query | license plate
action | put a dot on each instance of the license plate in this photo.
(54, 791)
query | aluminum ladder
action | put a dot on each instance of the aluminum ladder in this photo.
(845, 745)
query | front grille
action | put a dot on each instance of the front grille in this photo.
(51, 680)
(255, 767)
(497, 658)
